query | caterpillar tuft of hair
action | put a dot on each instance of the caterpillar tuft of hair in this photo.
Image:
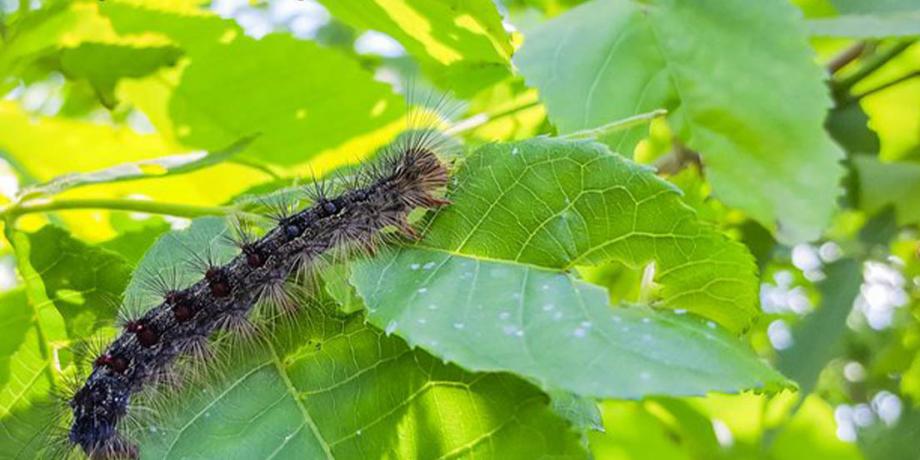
(409, 174)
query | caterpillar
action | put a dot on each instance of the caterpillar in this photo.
(409, 174)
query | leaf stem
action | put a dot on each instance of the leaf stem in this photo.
(886, 85)
(150, 207)
(845, 57)
(872, 64)
(616, 126)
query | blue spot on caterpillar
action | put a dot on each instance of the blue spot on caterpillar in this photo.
(407, 177)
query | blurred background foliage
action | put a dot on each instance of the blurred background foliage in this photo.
(104, 100)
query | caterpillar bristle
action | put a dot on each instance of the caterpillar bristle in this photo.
(277, 295)
(279, 208)
(132, 308)
(242, 234)
(318, 190)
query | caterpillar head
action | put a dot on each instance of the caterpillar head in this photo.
(97, 408)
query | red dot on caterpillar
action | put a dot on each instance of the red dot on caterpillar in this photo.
(218, 283)
(103, 360)
(182, 312)
(180, 306)
(148, 337)
(253, 258)
(118, 364)
(145, 334)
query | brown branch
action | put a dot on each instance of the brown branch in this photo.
(845, 57)
(679, 158)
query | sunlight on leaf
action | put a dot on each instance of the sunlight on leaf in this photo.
(461, 44)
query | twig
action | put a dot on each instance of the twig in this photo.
(886, 85)
(871, 65)
(845, 57)
(679, 158)
(616, 126)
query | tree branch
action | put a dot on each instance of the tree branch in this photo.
(845, 57)
(886, 85)
(871, 64)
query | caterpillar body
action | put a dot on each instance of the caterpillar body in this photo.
(409, 175)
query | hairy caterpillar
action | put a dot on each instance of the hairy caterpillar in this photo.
(407, 176)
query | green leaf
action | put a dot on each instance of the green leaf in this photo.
(904, 24)
(25, 377)
(609, 59)
(555, 330)
(582, 412)
(300, 98)
(557, 204)
(332, 386)
(133, 242)
(103, 64)
(462, 44)
(83, 282)
(341, 389)
(507, 247)
(849, 127)
(884, 184)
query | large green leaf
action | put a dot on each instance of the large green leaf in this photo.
(557, 204)
(339, 388)
(332, 386)
(461, 43)
(730, 100)
(490, 286)
(300, 98)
